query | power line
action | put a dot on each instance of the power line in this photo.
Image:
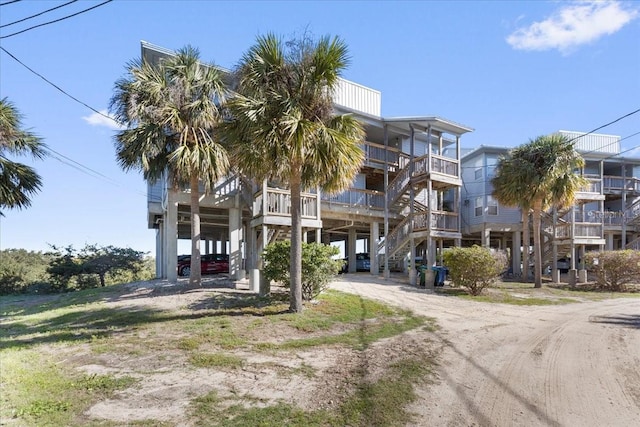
(56, 20)
(37, 14)
(605, 125)
(58, 87)
(9, 2)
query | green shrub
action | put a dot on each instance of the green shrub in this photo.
(317, 266)
(615, 269)
(474, 268)
(21, 269)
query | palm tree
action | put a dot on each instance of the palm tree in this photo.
(543, 171)
(172, 111)
(283, 126)
(18, 182)
(510, 189)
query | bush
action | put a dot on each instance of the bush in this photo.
(317, 266)
(474, 268)
(19, 269)
(614, 269)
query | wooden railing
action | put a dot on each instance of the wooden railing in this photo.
(357, 197)
(582, 229)
(278, 202)
(444, 165)
(618, 183)
(398, 235)
(594, 185)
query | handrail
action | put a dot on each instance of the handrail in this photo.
(279, 203)
(357, 197)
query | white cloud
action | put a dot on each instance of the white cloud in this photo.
(96, 119)
(573, 25)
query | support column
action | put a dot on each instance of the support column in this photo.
(235, 237)
(374, 235)
(252, 259)
(160, 274)
(516, 253)
(609, 237)
(318, 235)
(265, 285)
(386, 273)
(486, 237)
(206, 246)
(351, 249)
(171, 238)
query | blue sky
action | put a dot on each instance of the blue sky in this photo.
(511, 70)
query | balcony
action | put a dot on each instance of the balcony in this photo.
(377, 155)
(615, 185)
(591, 191)
(582, 230)
(277, 203)
(357, 197)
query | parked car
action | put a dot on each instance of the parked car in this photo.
(363, 263)
(209, 264)
(564, 264)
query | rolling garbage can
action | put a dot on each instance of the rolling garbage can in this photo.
(426, 275)
(440, 274)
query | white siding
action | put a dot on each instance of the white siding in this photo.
(357, 97)
(594, 142)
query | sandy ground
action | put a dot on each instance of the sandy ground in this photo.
(505, 365)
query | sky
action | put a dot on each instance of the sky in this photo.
(512, 70)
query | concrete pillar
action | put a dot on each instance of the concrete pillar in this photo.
(609, 237)
(516, 257)
(374, 235)
(265, 285)
(160, 251)
(206, 246)
(486, 237)
(318, 235)
(351, 250)
(171, 238)
(252, 260)
(235, 237)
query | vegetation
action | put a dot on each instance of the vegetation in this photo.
(283, 127)
(229, 335)
(317, 266)
(18, 182)
(24, 271)
(615, 269)
(474, 268)
(172, 112)
(91, 261)
(539, 175)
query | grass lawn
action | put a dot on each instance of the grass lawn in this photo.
(208, 358)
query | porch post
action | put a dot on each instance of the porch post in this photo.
(352, 249)
(374, 235)
(171, 252)
(235, 236)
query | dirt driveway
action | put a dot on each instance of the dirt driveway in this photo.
(504, 365)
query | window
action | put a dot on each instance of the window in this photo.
(478, 173)
(478, 206)
(492, 206)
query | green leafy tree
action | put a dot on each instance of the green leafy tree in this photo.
(318, 267)
(474, 268)
(283, 126)
(18, 182)
(22, 270)
(90, 263)
(537, 176)
(172, 111)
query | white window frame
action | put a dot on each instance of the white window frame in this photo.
(478, 206)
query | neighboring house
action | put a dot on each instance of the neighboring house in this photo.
(408, 190)
(606, 214)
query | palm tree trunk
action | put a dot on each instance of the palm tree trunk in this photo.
(296, 242)
(526, 240)
(537, 245)
(196, 273)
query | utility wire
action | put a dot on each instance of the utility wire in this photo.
(56, 20)
(37, 14)
(9, 2)
(58, 87)
(605, 125)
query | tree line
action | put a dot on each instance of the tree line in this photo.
(65, 268)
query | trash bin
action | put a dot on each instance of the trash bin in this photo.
(440, 274)
(426, 275)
